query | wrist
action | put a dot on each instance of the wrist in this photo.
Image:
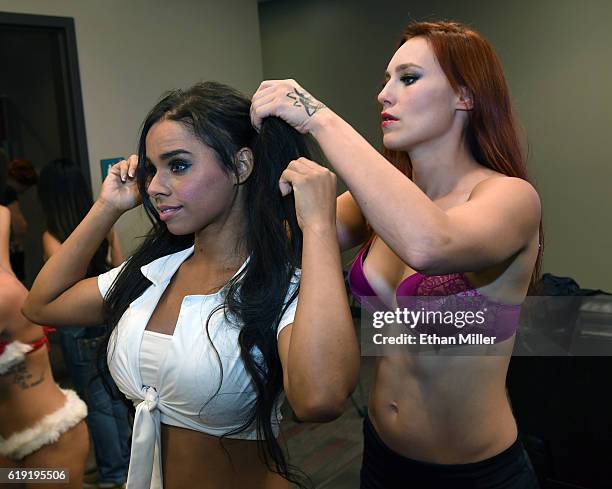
(322, 120)
(107, 208)
(320, 230)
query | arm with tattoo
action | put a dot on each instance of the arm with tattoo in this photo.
(301, 98)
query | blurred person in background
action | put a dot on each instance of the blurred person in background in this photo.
(41, 425)
(18, 175)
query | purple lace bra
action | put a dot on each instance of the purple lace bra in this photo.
(502, 319)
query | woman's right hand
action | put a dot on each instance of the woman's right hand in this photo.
(314, 188)
(285, 99)
(119, 189)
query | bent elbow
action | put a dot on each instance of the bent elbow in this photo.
(429, 257)
(319, 411)
(31, 313)
(424, 262)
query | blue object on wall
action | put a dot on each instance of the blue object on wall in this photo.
(106, 164)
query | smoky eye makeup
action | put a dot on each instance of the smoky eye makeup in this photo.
(178, 165)
(409, 78)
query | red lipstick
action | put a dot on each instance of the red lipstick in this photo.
(387, 119)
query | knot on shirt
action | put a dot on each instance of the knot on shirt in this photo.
(151, 398)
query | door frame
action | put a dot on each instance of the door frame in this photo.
(65, 25)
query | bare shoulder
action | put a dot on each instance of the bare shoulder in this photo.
(513, 192)
(13, 292)
(517, 187)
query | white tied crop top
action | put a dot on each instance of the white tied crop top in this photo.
(153, 351)
(188, 375)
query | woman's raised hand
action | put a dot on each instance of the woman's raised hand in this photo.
(285, 99)
(314, 188)
(119, 189)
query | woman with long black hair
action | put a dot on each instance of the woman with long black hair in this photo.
(65, 200)
(207, 328)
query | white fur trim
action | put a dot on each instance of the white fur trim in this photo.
(13, 354)
(46, 431)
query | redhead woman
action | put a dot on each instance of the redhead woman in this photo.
(446, 211)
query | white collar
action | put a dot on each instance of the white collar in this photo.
(162, 269)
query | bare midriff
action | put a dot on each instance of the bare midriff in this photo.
(28, 393)
(445, 409)
(201, 461)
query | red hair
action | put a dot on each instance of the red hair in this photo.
(470, 64)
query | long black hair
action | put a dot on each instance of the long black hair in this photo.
(219, 117)
(66, 199)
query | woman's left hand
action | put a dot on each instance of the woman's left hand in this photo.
(285, 99)
(314, 188)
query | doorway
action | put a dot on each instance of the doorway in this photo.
(41, 108)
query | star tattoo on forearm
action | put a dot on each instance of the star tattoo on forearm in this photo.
(304, 99)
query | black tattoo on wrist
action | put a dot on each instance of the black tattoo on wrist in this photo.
(304, 99)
